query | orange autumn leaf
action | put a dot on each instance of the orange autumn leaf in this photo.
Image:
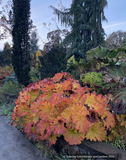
(36, 85)
(80, 120)
(26, 119)
(75, 107)
(25, 99)
(57, 127)
(74, 98)
(60, 76)
(66, 114)
(70, 125)
(33, 107)
(56, 97)
(43, 97)
(63, 103)
(96, 102)
(96, 132)
(108, 120)
(66, 85)
(34, 134)
(24, 92)
(34, 94)
(91, 99)
(102, 99)
(53, 114)
(79, 97)
(99, 108)
(27, 127)
(34, 117)
(17, 102)
(48, 86)
(67, 75)
(42, 125)
(22, 110)
(58, 88)
(45, 110)
(57, 77)
(83, 99)
(86, 89)
(73, 138)
(75, 85)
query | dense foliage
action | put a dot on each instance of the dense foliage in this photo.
(84, 18)
(4, 72)
(59, 106)
(53, 62)
(92, 79)
(21, 47)
(5, 55)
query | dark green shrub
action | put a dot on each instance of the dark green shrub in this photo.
(20, 36)
(53, 62)
(5, 58)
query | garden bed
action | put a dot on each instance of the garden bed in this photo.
(100, 150)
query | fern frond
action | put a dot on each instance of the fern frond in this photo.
(65, 17)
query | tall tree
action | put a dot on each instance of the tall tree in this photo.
(21, 47)
(115, 39)
(84, 17)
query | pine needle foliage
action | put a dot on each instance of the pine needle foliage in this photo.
(84, 17)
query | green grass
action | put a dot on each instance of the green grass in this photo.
(11, 88)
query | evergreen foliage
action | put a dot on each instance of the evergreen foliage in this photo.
(21, 46)
(53, 62)
(5, 55)
(1, 58)
(84, 17)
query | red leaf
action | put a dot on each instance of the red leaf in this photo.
(27, 127)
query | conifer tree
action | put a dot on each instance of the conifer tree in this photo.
(21, 47)
(84, 18)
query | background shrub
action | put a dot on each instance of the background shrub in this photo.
(53, 62)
